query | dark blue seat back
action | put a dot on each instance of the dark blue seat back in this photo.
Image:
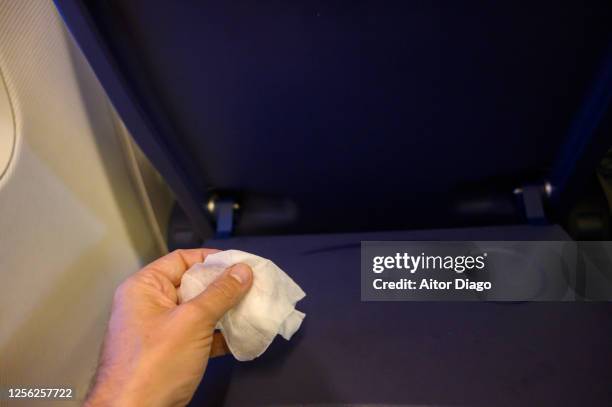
(365, 114)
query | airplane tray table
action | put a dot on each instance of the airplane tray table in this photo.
(350, 352)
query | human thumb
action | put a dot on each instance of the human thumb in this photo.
(224, 293)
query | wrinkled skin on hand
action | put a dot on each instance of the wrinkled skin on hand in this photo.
(155, 351)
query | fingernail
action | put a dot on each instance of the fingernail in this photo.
(240, 272)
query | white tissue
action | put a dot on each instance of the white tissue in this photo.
(266, 310)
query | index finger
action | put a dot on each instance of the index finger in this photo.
(174, 265)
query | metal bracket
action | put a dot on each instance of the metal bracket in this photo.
(223, 211)
(532, 197)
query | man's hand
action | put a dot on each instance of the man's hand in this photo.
(155, 351)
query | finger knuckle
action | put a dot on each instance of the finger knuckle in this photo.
(225, 289)
(177, 253)
(136, 282)
(146, 276)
